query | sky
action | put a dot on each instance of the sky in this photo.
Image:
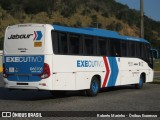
(151, 7)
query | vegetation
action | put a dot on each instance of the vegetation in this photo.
(156, 81)
(157, 64)
(106, 14)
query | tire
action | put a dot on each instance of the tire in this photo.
(140, 84)
(94, 87)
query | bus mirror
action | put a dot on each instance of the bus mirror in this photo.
(155, 53)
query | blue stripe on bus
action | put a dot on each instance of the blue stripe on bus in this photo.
(97, 32)
(114, 71)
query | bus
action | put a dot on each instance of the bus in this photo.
(59, 58)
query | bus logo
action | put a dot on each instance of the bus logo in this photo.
(37, 35)
(23, 59)
(90, 63)
(21, 36)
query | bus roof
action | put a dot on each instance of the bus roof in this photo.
(97, 32)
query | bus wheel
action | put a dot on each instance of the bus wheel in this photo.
(140, 84)
(94, 87)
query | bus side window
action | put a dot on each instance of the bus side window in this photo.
(63, 47)
(102, 47)
(115, 48)
(145, 54)
(75, 45)
(55, 41)
(88, 46)
(124, 48)
(132, 49)
(149, 55)
(138, 50)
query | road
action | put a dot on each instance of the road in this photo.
(124, 98)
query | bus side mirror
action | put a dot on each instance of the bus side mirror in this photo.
(154, 53)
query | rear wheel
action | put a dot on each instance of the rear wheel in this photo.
(140, 84)
(94, 87)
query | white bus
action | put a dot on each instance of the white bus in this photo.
(58, 58)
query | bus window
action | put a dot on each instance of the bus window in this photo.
(63, 47)
(55, 41)
(124, 48)
(88, 46)
(59, 42)
(115, 47)
(102, 47)
(138, 50)
(75, 46)
(150, 62)
(149, 55)
(132, 49)
(144, 52)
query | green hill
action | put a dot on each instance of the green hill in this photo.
(106, 14)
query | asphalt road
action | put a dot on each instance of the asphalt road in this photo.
(124, 98)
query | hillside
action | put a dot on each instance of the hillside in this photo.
(106, 14)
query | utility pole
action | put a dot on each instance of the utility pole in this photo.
(142, 19)
(97, 24)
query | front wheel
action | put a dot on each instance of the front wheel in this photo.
(94, 87)
(140, 84)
